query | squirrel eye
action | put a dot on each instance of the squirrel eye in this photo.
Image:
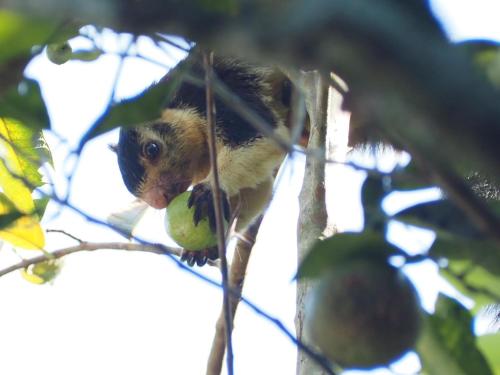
(151, 150)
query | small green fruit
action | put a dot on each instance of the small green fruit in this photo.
(59, 53)
(362, 314)
(180, 226)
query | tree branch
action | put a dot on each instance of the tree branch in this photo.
(313, 215)
(92, 246)
(236, 280)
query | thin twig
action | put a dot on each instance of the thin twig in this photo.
(168, 40)
(216, 193)
(66, 234)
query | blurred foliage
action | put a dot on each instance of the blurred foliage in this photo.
(489, 345)
(435, 99)
(42, 272)
(449, 343)
(341, 247)
(19, 176)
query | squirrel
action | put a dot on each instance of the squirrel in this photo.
(160, 159)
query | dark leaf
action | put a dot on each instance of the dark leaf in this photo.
(25, 103)
(408, 178)
(8, 219)
(441, 216)
(228, 7)
(342, 246)
(473, 281)
(8, 212)
(451, 329)
(41, 206)
(482, 252)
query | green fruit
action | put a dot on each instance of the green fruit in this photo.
(59, 53)
(180, 226)
(364, 313)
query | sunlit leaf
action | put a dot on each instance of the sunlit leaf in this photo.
(448, 345)
(43, 272)
(19, 229)
(342, 246)
(25, 103)
(32, 278)
(25, 232)
(473, 281)
(21, 161)
(490, 346)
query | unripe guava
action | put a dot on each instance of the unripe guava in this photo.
(363, 313)
(180, 226)
(59, 53)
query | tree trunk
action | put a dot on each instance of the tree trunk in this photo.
(312, 216)
(329, 131)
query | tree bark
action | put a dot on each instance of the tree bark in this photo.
(313, 215)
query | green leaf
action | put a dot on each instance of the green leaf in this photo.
(18, 228)
(482, 252)
(145, 107)
(448, 345)
(490, 346)
(87, 55)
(473, 281)
(25, 103)
(41, 206)
(8, 212)
(441, 216)
(343, 246)
(20, 33)
(42, 272)
(19, 166)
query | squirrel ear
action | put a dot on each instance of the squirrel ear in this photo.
(113, 147)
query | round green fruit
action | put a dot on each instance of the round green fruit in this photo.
(59, 53)
(364, 313)
(180, 226)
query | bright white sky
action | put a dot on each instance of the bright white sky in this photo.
(128, 314)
